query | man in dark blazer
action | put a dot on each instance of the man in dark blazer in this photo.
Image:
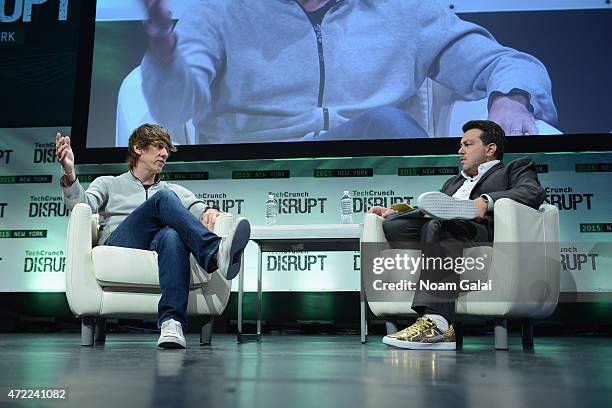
(447, 221)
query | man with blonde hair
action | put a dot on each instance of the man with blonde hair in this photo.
(138, 209)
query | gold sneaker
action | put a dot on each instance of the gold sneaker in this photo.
(424, 334)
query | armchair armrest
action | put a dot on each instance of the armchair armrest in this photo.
(373, 228)
(82, 291)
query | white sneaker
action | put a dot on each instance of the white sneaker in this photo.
(441, 206)
(171, 336)
(229, 254)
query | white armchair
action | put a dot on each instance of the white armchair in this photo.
(525, 283)
(106, 281)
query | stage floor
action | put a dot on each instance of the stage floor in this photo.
(307, 371)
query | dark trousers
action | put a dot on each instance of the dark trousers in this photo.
(438, 238)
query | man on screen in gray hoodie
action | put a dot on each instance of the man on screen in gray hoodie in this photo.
(285, 70)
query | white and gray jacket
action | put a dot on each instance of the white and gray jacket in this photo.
(115, 197)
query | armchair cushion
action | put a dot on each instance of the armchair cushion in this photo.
(129, 267)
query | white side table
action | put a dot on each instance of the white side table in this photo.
(319, 237)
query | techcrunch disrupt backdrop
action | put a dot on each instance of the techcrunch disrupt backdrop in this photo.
(33, 218)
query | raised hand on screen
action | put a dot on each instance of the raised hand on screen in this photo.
(159, 27)
(158, 14)
(511, 113)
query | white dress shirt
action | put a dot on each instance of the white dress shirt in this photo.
(466, 188)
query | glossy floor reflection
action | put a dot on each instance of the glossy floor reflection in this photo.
(307, 371)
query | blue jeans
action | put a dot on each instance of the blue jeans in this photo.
(163, 225)
(386, 122)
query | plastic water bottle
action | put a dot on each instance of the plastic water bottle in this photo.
(346, 208)
(271, 210)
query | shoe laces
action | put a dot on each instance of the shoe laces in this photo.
(418, 326)
(171, 326)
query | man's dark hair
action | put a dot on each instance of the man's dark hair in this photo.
(143, 137)
(491, 133)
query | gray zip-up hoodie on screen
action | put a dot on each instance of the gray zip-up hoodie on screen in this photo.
(257, 70)
(114, 198)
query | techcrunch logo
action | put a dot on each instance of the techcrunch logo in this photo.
(285, 194)
(47, 206)
(565, 198)
(363, 200)
(298, 202)
(44, 153)
(221, 200)
(43, 260)
(367, 193)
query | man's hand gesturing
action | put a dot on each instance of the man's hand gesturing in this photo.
(65, 156)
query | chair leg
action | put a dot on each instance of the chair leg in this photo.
(87, 330)
(207, 332)
(100, 330)
(501, 334)
(458, 333)
(527, 330)
(391, 327)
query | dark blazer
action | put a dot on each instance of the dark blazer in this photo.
(518, 180)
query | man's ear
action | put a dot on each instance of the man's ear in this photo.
(138, 150)
(491, 150)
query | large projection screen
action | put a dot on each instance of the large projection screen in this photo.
(250, 79)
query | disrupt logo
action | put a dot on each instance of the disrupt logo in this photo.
(572, 260)
(5, 154)
(366, 199)
(2, 207)
(47, 206)
(44, 261)
(299, 203)
(565, 198)
(295, 262)
(23, 9)
(221, 200)
(44, 153)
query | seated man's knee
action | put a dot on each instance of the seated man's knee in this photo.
(165, 194)
(430, 231)
(169, 236)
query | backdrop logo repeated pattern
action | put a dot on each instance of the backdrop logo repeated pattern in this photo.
(5, 156)
(23, 9)
(43, 260)
(225, 203)
(566, 199)
(47, 206)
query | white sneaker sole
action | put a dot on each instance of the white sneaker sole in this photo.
(240, 239)
(447, 345)
(444, 207)
(168, 342)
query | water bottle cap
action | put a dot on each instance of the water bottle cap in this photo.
(345, 192)
(270, 196)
